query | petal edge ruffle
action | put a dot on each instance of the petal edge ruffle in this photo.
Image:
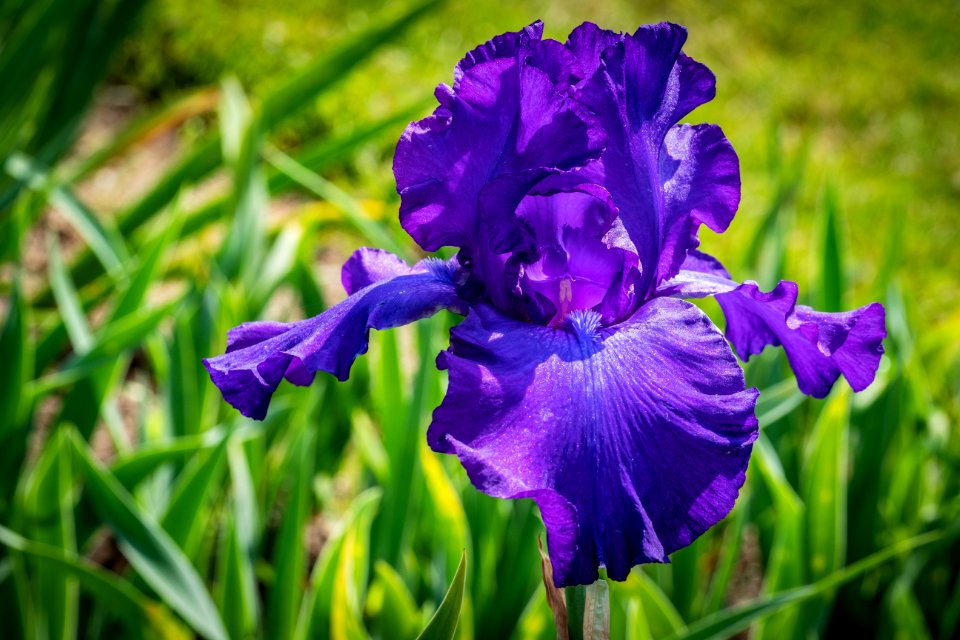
(261, 354)
(593, 424)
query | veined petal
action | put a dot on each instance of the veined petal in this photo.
(367, 266)
(700, 173)
(507, 123)
(260, 354)
(633, 440)
(642, 88)
(587, 43)
(819, 346)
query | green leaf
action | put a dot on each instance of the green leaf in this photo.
(316, 612)
(68, 302)
(107, 245)
(48, 514)
(730, 546)
(242, 249)
(659, 614)
(149, 549)
(278, 105)
(187, 516)
(823, 484)
(142, 129)
(372, 232)
(832, 280)
(443, 624)
(450, 531)
(132, 468)
(786, 566)
(288, 561)
(390, 605)
(576, 597)
(114, 594)
(238, 586)
(731, 621)
(16, 367)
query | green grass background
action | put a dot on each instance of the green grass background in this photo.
(133, 502)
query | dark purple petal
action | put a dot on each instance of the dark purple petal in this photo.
(505, 45)
(700, 275)
(643, 86)
(587, 43)
(251, 333)
(633, 440)
(700, 173)
(575, 267)
(367, 266)
(506, 124)
(261, 354)
(819, 346)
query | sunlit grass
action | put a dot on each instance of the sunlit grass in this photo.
(133, 501)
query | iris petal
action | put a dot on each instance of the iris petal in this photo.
(367, 266)
(260, 354)
(819, 346)
(700, 172)
(632, 440)
(642, 88)
(506, 124)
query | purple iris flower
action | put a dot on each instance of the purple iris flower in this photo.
(580, 378)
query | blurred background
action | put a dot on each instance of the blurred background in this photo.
(171, 169)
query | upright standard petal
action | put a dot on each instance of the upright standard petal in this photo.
(261, 354)
(633, 440)
(642, 88)
(700, 173)
(819, 346)
(507, 123)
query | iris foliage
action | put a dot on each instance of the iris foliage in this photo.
(132, 500)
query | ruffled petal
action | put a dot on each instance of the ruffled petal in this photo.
(594, 424)
(505, 45)
(507, 123)
(644, 85)
(367, 266)
(587, 43)
(700, 173)
(261, 354)
(819, 346)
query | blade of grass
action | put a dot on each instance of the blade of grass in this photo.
(832, 281)
(390, 606)
(48, 514)
(443, 624)
(104, 241)
(15, 370)
(187, 515)
(132, 468)
(731, 621)
(113, 593)
(240, 605)
(287, 591)
(785, 565)
(729, 552)
(149, 549)
(196, 102)
(67, 300)
(315, 612)
(278, 105)
(354, 213)
(661, 616)
(823, 485)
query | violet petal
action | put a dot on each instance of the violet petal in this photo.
(594, 424)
